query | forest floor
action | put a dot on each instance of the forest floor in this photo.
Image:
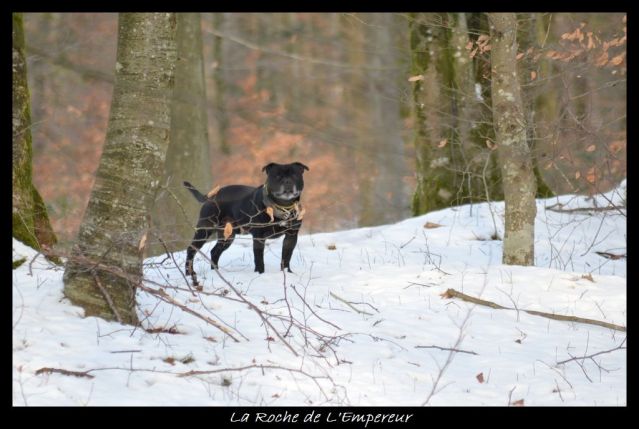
(365, 320)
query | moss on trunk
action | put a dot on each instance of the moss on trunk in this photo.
(30, 221)
(454, 164)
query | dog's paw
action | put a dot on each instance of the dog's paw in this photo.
(259, 270)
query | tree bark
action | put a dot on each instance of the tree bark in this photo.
(514, 154)
(385, 112)
(137, 139)
(175, 210)
(30, 222)
(435, 177)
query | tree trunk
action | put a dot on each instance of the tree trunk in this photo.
(434, 174)
(30, 220)
(450, 136)
(514, 154)
(220, 114)
(383, 102)
(175, 210)
(137, 139)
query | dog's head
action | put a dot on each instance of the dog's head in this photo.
(285, 181)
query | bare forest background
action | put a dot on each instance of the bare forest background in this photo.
(339, 92)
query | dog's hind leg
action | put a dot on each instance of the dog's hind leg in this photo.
(221, 245)
(199, 239)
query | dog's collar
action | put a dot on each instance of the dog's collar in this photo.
(279, 211)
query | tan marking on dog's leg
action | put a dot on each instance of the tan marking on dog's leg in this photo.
(213, 192)
(269, 212)
(300, 211)
(228, 230)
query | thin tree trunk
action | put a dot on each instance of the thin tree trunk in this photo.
(385, 111)
(117, 216)
(29, 215)
(188, 158)
(514, 154)
(220, 115)
(435, 177)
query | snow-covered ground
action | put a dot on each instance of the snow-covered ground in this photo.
(366, 307)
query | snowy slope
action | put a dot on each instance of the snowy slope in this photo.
(368, 305)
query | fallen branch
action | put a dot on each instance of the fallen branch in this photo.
(349, 304)
(447, 349)
(251, 306)
(619, 347)
(63, 372)
(452, 293)
(162, 295)
(558, 208)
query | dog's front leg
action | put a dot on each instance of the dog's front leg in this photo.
(258, 254)
(290, 240)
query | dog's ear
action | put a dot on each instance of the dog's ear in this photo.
(299, 164)
(267, 167)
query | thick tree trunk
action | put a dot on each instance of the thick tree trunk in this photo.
(30, 220)
(117, 216)
(514, 154)
(175, 211)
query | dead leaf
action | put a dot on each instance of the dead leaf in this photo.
(432, 225)
(602, 59)
(615, 61)
(519, 56)
(228, 230)
(533, 75)
(591, 148)
(591, 176)
(142, 242)
(591, 42)
(170, 360)
(416, 78)
(518, 403)
(587, 277)
(617, 145)
(331, 247)
(480, 377)
(577, 175)
(442, 143)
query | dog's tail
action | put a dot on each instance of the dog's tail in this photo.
(197, 194)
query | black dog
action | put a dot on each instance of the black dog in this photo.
(267, 211)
